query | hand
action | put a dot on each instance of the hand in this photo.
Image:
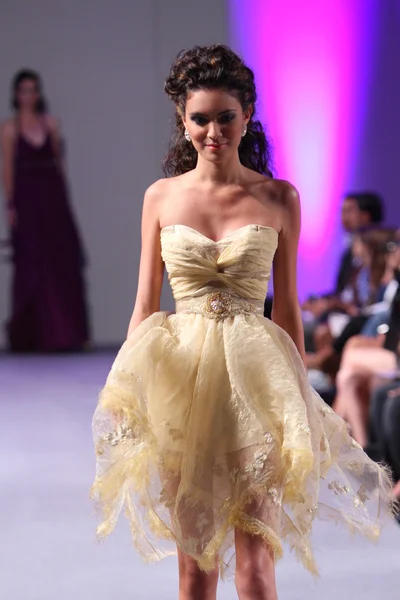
(394, 393)
(353, 310)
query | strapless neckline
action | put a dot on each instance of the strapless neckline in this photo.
(254, 226)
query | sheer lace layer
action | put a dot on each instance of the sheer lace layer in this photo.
(207, 422)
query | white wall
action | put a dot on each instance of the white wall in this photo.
(104, 63)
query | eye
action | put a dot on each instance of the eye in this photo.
(201, 121)
(226, 118)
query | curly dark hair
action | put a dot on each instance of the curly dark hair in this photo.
(214, 67)
(30, 75)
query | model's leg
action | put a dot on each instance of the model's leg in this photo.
(255, 568)
(195, 584)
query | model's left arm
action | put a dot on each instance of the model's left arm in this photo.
(54, 128)
(286, 310)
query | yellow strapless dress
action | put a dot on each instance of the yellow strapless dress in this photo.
(207, 421)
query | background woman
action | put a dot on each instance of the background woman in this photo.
(48, 307)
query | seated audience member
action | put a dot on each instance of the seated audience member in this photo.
(384, 429)
(371, 290)
(378, 314)
(359, 211)
(359, 367)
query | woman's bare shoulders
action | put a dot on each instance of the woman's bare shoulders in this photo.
(279, 200)
(277, 195)
(166, 187)
(285, 198)
(53, 123)
(274, 193)
(162, 197)
(268, 186)
(285, 192)
(155, 195)
(50, 119)
(8, 129)
(158, 189)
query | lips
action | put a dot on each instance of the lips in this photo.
(215, 146)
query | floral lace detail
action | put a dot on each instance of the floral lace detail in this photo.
(361, 497)
(324, 445)
(338, 488)
(120, 435)
(325, 410)
(356, 467)
(276, 496)
(269, 437)
(175, 433)
(304, 428)
(258, 463)
(166, 498)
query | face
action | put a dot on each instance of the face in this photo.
(351, 215)
(28, 94)
(215, 122)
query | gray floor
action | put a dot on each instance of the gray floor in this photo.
(47, 548)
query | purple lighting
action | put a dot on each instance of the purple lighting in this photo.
(312, 61)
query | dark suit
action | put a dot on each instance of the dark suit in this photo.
(345, 271)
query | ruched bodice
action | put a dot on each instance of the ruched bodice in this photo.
(240, 263)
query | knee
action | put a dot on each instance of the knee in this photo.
(254, 580)
(357, 341)
(194, 582)
(344, 378)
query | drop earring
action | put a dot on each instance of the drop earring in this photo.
(244, 131)
(187, 135)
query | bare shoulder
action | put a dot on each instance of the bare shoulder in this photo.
(284, 191)
(289, 195)
(169, 186)
(156, 190)
(289, 206)
(53, 123)
(179, 180)
(154, 197)
(163, 190)
(8, 129)
(279, 190)
(285, 195)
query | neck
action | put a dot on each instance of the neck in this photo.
(27, 113)
(228, 172)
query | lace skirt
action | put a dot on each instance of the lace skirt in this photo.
(207, 423)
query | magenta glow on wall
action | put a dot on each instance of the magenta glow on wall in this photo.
(312, 62)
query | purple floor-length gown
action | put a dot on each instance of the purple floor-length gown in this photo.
(48, 293)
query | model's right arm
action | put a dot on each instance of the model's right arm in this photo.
(7, 137)
(151, 269)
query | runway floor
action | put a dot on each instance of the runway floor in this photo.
(48, 549)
